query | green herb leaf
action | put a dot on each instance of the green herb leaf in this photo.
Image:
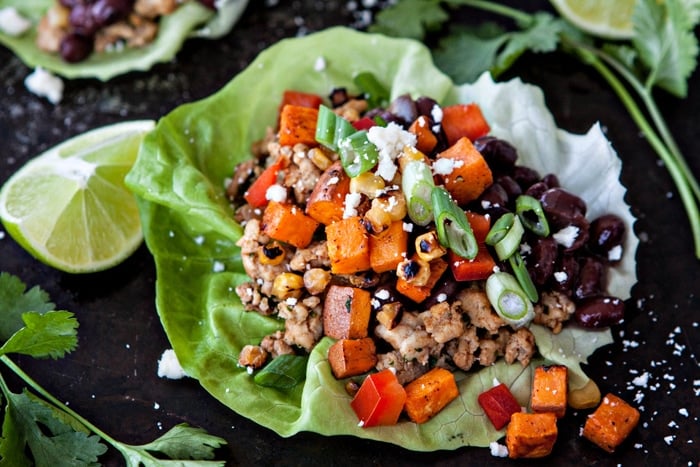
(16, 300)
(52, 334)
(410, 18)
(32, 423)
(665, 39)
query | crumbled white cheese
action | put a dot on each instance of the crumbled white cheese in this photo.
(382, 294)
(566, 236)
(443, 166)
(320, 64)
(169, 366)
(615, 253)
(45, 84)
(560, 276)
(641, 380)
(12, 23)
(498, 450)
(390, 141)
(407, 227)
(276, 192)
(436, 113)
(352, 201)
(219, 266)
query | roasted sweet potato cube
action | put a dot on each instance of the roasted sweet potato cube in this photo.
(531, 435)
(298, 125)
(348, 246)
(550, 389)
(429, 394)
(346, 312)
(352, 357)
(326, 201)
(611, 423)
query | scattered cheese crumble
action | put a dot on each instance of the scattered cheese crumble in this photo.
(276, 192)
(45, 84)
(12, 23)
(169, 366)
(498, 450)
(566, 236)
(352, 201)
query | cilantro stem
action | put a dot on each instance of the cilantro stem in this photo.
(520, 17)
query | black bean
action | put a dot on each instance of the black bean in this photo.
(444, 291)
(510, 186)
(561, 207)
(565, 274)
(211, 4)
(542, 258)
(106, 12)
(82, 20)
(75, 48)
(404, 108)
(494, 196)
(591, 278)
(536, 190)
(338, 96)
(606, 233)
(551, 180)
(525, 176)
(581, 227)
(600, 312)
(425, 106)
(500, 155)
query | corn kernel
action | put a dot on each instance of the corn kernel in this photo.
(272, 253)
(319, 158)
(428, 246)
(368, 184)
(287, 285)
(316, 280)
(414, 271)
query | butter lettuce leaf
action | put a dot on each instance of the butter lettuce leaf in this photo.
(191, 19)
(179, 179)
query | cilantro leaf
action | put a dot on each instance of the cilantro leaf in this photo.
(410, 18)
(52, 334)
(14, 301)
(666, 42)
(185, 442)
(30, 422)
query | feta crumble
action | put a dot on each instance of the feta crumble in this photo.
(498, 450)
(352, 201)
(45, 84)
(276, 192)
(12, 23)
(169, 366)
(566, 236)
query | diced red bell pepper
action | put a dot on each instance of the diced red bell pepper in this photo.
(365, 123)
(483, 263)
(380, 399)
(256, 194)
(463, 120)
(499, 404)
(302, 99)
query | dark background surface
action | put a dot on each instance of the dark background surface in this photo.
(111, 378)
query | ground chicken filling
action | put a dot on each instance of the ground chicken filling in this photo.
(454, 327)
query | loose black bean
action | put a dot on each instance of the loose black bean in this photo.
(75, 48)
(536, 190)
(600, 312)
(591, 278)
(510, 186)
(444, 291)
(562, 207)
(425, 106)
(565, 274)
(82, 20)
(551, 180)
(404, 108)
(525, 176)
(542, 259)
(494, 196)
(606, 235)
(106, 12)
(500, 155)
(581, 228)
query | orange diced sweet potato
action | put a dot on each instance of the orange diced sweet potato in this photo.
(611, 423)
(470, 175)
(346, 312)
(429, 394)
(298, 125)
(531, 435)
(348, 246)
(550, 389)
(425, 139)
(352, 357)
(326, 202)
(388, 248)
(288, 223)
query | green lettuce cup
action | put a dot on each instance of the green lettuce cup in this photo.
(179, 178)
(191, 19)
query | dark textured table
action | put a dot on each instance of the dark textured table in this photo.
(111, 378)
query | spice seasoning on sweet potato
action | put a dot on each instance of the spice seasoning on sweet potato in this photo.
(429, 394)
(550, 389)
(470, 174)
(352, 357)
(388, 247)
(288, 223)
(346, 312)
(425, 139)
(611, 423)
(298, 125)
(348, 246)
(531, 435)
(326, 202)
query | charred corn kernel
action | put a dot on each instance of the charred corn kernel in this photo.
(377, 218)
(414, 271)
(393, 202)
(316, 280)
(586, 397)
(319, 158)
(287, 285)
(409, 154)
(388, 314)
(428, 246)
(272, 253)
(368, 184)
(252, 356)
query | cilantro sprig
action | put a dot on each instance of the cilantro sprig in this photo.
(662, 54)
(37, 428)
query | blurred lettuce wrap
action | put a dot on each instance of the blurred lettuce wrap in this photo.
(191, 19)
(180, 176)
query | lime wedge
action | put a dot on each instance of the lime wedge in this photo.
(69, 207)
(611, 19)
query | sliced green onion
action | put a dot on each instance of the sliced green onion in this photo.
(499, 229)
(453, 228)
(325, 127)
(283, 372)
(377, 95)
(530, 212)
(510, 241)
(357, 153)
(417, 185)
(523, 276)
(509, 299)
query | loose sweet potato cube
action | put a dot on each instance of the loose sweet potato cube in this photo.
(346, 312)
(388, 248)
(352, 357)
(531, 435)
(298, 125)
(550, 389)
(611, 423)
(348, 246)
(429, 394)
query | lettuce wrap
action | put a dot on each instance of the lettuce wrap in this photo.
(179, 179)
(191, 19)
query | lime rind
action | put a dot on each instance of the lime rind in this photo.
(601, 18)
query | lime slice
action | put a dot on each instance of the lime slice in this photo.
(611, 19)
(70, 208)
